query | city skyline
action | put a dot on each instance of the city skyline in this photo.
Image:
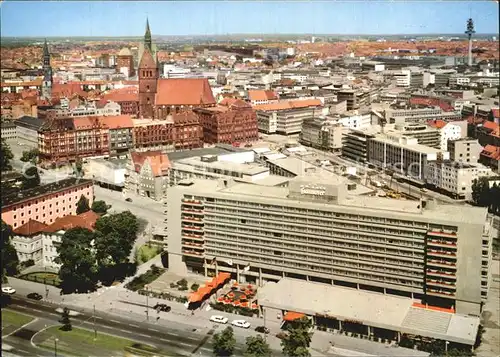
(101, 19)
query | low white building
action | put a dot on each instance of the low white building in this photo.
(38, 242)
(108, 172)
(455, 177)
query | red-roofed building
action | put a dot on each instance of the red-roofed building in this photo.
(262, 96)
(38, 241)
(148, 174)
(127, 98)
(232, 121)
(159, 98)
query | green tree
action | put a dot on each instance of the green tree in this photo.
(114, 239)
(99, 207)
(10, 261)
(298, 339)
(481, 192)
(65, 321)
(82, 205)
(78, 272)
(495, 198)
(224, 343)
(31, 178)
(5, 156)
(30, 156)
(195, 287)
(257, 347)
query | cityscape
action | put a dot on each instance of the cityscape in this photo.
(238, 178)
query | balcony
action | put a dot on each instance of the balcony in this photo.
(441, 243)
(192, 202)
(193, 236)
(440, 263)
(193, 228)
(191, 219)
(437, 292)
(192, 253)
(193, 245)
(448, 274)
(441, 253)
(441, 283)
(443, 233)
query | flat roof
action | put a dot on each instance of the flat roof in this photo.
(414, 147)
(28, 195)
(245, 169)
(184, 154)
(368, 308)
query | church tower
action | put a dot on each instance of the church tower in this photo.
(47, 74)
(148, 74)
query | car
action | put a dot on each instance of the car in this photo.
(162, 307)
(128, 199)
(262, 329)
(8, 290)
(281, 335)
(219, 319)
(241, 323)
(423, 190)
(34, 296)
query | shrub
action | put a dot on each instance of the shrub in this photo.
(195, 286)
(148, 277)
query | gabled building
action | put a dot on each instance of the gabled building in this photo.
(148, 174)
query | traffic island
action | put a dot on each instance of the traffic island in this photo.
(80, 342)
(12, 321)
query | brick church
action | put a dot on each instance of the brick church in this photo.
(160, 98)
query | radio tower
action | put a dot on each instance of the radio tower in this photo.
(470, 31)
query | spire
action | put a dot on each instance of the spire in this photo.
(45, 49)
(148, 42)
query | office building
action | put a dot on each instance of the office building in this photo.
(322, 230)
(466, 150)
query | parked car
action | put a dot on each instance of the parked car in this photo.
(128, 199)
(262, 329)
(281, 335)
(219, 319)
(162, 307)
(34, 296)
(241, 323)
(8, 290)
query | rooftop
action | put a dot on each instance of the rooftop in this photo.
(217, 150)
(372, 309)
(28, 195)
(407, 145)
(248, 169)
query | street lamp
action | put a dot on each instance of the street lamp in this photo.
(147, 302)
(55, 347)
(446, 343)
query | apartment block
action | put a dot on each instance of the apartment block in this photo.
(321, 230)
(45, 203)
(8, 130)
(424, 134)
(466, 150)
(355, 145)
(403, 155)
(454, 177)
(321, 133)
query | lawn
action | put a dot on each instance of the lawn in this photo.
(80, 342)
(147, 252)
(42, 277)
(11, 321)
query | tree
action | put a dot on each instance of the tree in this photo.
(298, 339)
(78, 272)
(31, 178)
(114, 239)
(30, 156)
(481, 192)
(5, 156)
(495, 198)
(99, 207)
(195, 287)
(82, 205)
(66, 322)
(10, 261)
(257, 347)
(224, 343)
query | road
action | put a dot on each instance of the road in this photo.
(177, 338)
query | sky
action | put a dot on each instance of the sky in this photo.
(127, 18)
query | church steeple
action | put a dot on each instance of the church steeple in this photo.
(148, 42)
(47, 73)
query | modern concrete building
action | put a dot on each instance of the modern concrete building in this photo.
(8, 130)
(455, 177)
(403, 155)
(322, 133)
(45, 203)
(322, 230)
(424, 134)
(28, 128)
(465, 150)
(355, 145)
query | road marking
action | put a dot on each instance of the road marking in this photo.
(122, 330)
(21, 307)
(143, 335)
(133, 325)
(184, 344)
(173, 334)
(152, 329)
(23, 351)
(116, 322)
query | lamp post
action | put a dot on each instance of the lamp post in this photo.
(55, 347)
(446, 343)
(147, 302)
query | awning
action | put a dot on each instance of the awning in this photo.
(206, 289)
(292, 316)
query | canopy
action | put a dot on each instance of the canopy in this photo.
(205, 290)
(292, 316)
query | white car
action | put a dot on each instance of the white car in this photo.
(8, 290)
(241, 323)
(219, 319)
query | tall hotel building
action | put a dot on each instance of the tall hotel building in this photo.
(323, 230)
